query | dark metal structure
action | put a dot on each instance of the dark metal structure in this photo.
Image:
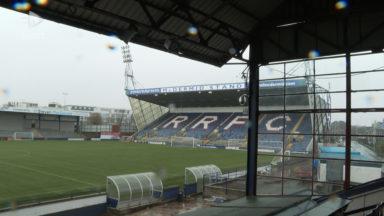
(204, 98)
(277, 30)
(285, 29)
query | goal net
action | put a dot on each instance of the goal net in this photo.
(236, 144)
(270, 146)
(126, 138)
(23, 136)
(185, 142)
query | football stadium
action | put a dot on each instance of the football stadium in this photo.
(299, 131)
(213, 116)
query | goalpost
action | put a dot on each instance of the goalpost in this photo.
(23, 136)
(236, 143)
(185, 142)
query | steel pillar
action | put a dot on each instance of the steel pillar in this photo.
(347, 182)
(59, 122)
(253, 115)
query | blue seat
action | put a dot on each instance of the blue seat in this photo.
(271, 128)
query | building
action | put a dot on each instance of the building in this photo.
(213, 113)
(32, 121)
(107, 118)
(26, 116)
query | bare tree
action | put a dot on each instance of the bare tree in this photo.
(95, 119)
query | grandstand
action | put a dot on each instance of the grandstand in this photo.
(212, 114)
(61, 122)
(37, 123)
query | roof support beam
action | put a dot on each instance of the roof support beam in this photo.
(348, 106)
(148, 14)
(255, 58)
(193, 21)
(242, 10)
(213, 33)
(235, 45)
(214, 12)
(90, 3)
(192, 9)
(368, 35)
(131, 21)
(278, 45)
(186, 18)
(229, 35)
(166, 16)
(319, 38)
(67, 19)
(49, 14)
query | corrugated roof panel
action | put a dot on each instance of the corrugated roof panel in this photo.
(133, 10)
(223, 43)
(205, 51)
(176, 26)
(101, 4)
(122, 25)
(76, 2)
(258, 8)
(159, 36)
(86, 15)
(162, 3)
(234, 18)
(211, 24)
(213, 8)
(207, 7)
(155, 13)
(312, 20)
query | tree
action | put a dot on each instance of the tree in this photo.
(95, 119)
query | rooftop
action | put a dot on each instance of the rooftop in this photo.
(216, 31)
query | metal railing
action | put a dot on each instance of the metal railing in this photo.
(230, 184)
(372, 210)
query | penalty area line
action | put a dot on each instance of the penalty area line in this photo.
(48, 173)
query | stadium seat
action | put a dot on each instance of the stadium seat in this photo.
(200, 130)
(233, 126)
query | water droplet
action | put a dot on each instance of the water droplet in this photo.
(341, 5)
(192, 30)
(313, 54)
(22, 6)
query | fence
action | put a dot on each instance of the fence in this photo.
(235, 144)
(230, 184)
(51, 197)
(190, 189)
(174, 141)
(158, 140)
(171, 193)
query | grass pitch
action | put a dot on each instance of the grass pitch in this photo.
(32, 171)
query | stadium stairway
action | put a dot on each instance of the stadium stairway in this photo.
(271, 128)
(183, 131)
(236, 131)
(366, 199)
(193, 121)
(198, 131)
(167, 130)
(215, 134)
(300, 143)
(149, 128)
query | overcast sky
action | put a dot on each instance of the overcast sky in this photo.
(41, 60)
